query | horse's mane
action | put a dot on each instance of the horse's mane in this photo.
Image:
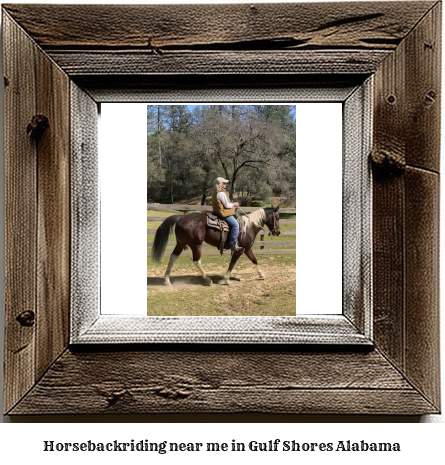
(259, 216)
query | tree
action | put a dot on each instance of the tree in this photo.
(251, 145)
(167, 126)
(244, 140)
(201, 159)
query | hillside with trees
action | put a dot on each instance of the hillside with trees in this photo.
(251, 145)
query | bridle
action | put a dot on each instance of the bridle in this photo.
(275, 229)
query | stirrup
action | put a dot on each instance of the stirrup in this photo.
(236, 248)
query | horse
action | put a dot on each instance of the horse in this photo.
(191, 230)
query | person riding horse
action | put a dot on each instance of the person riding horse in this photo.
(225, 210)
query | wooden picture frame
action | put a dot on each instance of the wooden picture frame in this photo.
(76, 56)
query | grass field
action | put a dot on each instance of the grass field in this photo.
(249, 296)
(274, 295)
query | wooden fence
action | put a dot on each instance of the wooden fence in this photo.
(259, 246)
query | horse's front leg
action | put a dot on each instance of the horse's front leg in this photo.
(196, 251)
(226, 277)
(253, 259)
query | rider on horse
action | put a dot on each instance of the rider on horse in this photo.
(225, 210)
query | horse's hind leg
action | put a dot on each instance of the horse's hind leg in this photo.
(173, 257)
(253, 259)
(196, 251)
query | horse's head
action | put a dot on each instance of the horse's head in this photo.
(273, 220)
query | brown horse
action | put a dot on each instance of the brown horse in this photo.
(191, 230)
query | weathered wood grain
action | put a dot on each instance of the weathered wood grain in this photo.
(357, 209)
(114, 399)
(119, 63)
(224, 382)
(388, 268)
(20, 213)
(422, 95)
(37, 173)
(422, 281)
(158, 27)
(406, 135)
(53, 224)
(390, 113)
(407, 113)
(85, 253)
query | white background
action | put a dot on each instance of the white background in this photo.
(123, 186)
(22, 442)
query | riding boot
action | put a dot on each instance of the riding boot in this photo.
(236, 248)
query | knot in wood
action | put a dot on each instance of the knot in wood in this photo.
(112, 395)
(387, 163)
(173, 393)
(37, 126)
(26, 318)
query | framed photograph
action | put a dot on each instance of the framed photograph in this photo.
(360, 257)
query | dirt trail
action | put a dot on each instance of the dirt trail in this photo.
(245, 283)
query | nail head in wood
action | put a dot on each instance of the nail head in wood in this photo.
(26, 318)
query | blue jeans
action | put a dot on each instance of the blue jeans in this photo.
(234, 229)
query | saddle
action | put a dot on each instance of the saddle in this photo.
(214, 222)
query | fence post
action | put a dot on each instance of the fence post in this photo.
(262, 239)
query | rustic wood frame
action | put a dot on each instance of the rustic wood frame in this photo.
(103, 50)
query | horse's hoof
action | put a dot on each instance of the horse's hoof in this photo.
(208, 282)
(167, 282)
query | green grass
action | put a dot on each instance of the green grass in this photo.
(250, 297)
(223, 301)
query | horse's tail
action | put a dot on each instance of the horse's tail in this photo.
(162, 235)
